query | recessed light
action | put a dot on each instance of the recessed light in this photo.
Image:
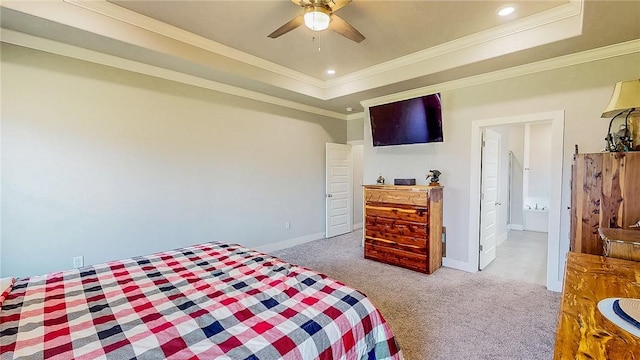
(507, 10)
(331, 72)
(349, 109)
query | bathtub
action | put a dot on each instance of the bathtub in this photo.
(535, 219)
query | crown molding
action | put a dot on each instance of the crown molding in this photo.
(356, 116)
(552, 25)
(72, 15)
(46, 45)
(75, 52)
(602, 53)
(537, 30)
(572, 9)
(144, 22)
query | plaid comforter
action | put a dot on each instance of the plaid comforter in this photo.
(209, 301)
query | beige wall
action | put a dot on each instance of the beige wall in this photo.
(108, 164)
(582, 91)
(354, 129)
(357, 150)
(538, 175)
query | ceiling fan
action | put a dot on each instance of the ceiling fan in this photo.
(319, 15)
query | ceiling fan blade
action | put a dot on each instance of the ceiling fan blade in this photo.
(302, 2)
(297, 21)
(337, 4)
(343, 28)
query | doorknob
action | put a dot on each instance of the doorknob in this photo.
(329, 195)
(498, 203)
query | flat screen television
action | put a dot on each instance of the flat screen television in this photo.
(412, 121)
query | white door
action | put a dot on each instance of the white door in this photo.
(339, 189)
(489, 196)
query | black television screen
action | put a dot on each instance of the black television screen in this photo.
(411, 121)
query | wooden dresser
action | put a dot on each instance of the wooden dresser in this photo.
(403, 226)
(583, 332)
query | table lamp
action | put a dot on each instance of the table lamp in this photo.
(625, 100)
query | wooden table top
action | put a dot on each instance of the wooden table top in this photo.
(583, 332)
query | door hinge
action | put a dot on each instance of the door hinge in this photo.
(481, 248)
(483, 143)
(481, 196)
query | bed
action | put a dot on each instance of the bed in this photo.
(207, 301)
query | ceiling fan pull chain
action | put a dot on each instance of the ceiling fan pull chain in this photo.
(315, 37)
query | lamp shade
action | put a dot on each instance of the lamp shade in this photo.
(626, 96)
(317, 18)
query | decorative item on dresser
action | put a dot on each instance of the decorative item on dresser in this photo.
(403, 226)
(605, 193)
(434, 175)
(404, 182)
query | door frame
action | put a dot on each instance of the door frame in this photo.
(554, 275)
(358, 182)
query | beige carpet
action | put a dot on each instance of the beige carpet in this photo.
(448, 315)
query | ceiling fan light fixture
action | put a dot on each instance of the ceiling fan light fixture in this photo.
(317, 18)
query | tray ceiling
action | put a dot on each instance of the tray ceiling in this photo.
(409, 44)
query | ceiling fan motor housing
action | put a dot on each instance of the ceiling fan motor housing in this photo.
(317, 18)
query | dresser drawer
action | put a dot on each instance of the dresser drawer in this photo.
(400, 231)
(397, 212)
(418, 247)
(418, 198)
(394, 256)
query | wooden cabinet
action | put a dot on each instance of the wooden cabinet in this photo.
(403, 226)
(605, 192)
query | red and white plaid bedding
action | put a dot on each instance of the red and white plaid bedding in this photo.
(209, 301)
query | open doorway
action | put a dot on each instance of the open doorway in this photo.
(522, 165)
(555, 146)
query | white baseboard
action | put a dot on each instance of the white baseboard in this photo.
(457, 264)
(357, 226)
(501, 238)
(267, 248)
(518, 227)
(555, 286)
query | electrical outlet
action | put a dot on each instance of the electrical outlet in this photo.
(287, 225)
(78, 262)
